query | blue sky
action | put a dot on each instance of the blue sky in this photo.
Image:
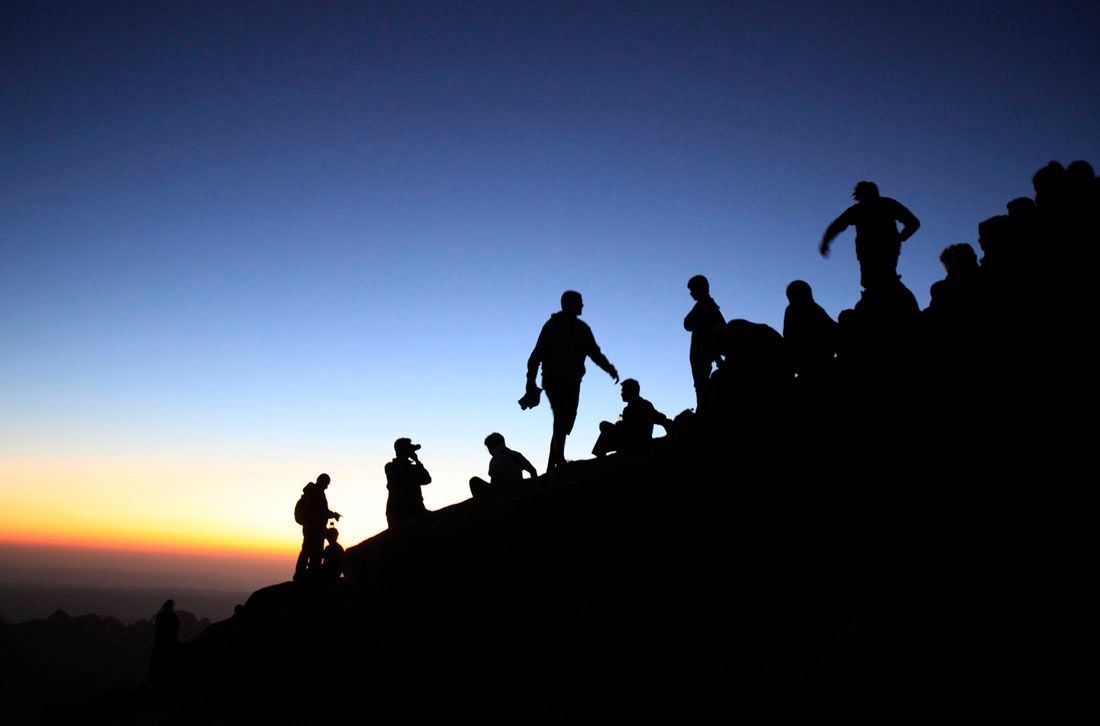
(266, 239)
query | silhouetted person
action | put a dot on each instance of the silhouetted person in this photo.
(405, 475)
(164, 661)
(563, 344)
(809, 334)
(332, 560)
(1082, 205)
(1050, 188)
(878, 241)
(958, 298)
(1024, 214)
(506, 469)
(703, 322)
(754, 363)
(634, 427)
(313, 514)
(1003, 266)
(1067, 199)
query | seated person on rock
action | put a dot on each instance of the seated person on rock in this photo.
(809, 334)
(505, 470)
(635, 427)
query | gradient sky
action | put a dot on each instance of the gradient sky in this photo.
(244, 243)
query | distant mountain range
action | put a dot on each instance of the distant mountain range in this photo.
(22, 601)
(63, 658)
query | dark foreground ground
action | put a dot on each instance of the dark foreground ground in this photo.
(902, 541)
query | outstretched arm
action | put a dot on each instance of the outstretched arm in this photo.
(599, 358)
(528, 466)
(838, 225)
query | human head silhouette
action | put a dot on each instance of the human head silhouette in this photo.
(323, 480)
(699, 287)
(631, 390)
(1048, 179)
(571, 302)
(405, 447)
(799, 293)
(331, 534)
(959, 259)
(493, 440)
(168, 606)
(1079, 177)
(1021, 208)
(864, 191)
(994, 233)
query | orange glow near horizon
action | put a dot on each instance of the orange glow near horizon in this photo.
(198, 501)
(175, 545)
(193, 502)
(142, 505)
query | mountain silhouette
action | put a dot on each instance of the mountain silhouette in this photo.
(887, 543)
(64, 658)
(899, 538)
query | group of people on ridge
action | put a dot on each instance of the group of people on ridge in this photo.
(728, 359)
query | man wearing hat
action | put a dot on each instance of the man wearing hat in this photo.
(404, 477)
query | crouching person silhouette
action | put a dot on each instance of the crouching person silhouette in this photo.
(405, 475)
(332, 560)
(505, 470)
(635, 427)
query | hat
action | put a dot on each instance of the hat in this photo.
(405, 444)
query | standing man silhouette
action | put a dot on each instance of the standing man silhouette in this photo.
(563, 344)
(313, 514)
(878, 242)
(701, 322)
(405, 475)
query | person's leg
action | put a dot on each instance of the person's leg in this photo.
(700, 374)
(606, 443)
(557, 447)
(479, 488)
(314, 546)
(303, 556)
(564, 398)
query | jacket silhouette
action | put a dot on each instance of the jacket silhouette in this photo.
(878, 241)
(634, 427)
(405, 475)
(313, 514)
(703, 322)
(563, 344)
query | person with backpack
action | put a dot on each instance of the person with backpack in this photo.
(313, 514)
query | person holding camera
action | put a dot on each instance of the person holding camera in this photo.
(563, 345)
(313, 514)
(405, 475)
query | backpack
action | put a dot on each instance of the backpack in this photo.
(302, 508)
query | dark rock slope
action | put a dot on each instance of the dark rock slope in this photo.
(902, 540)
